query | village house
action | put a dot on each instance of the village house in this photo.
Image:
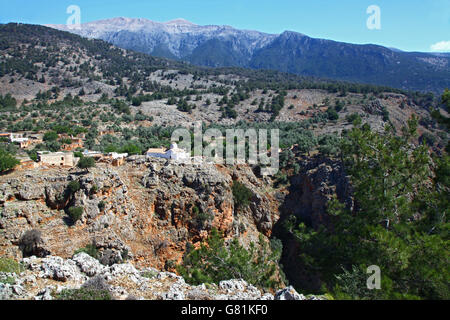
(113, 158)
(174, 153)
(56, 159)
(92, 154)
(23, 139)
(102, 133)
(19, 139)
(76, 143)
(35, 138)
(117, 159)
(156, 153)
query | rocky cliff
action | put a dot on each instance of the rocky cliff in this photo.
(145, 210)
(319, 181)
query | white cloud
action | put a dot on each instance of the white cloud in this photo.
(443, 46)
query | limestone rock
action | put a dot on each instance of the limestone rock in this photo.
(289, 293)
(59, 269)
(88, 264)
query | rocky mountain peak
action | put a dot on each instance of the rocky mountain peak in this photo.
(180, 21)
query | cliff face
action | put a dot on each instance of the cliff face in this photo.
(319, 181)
(147, 210)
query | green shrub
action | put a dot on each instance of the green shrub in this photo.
(125, 254)
(332, 114)
(94, 189)
(86, 163)
(74, 186)
(241, 194)
(354, 118)
(8, 280)
(170, 264)
(149, 274)
(428, 138)
(10, 266)
(65, 141)
(50, 136)
(90, 249)
(281, 179)
(131, 149)
(101, 205)
(75, 213)
(96, 283)
(83, 294)
(95, 288)
(109, 257)
(203, 217)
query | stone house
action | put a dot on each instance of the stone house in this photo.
(19, 139)
(97, 155)
(114, 158)
(75, 144)
(56, 159)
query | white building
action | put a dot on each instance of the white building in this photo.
(115, 155)
(92, 154)
(17, 137)
(174, 153)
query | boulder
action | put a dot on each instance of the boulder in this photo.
(59, 269)
(289, 293)
(88, 264)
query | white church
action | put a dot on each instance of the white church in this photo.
(174, 153)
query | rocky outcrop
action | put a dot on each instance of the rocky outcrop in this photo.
(44, 278)
(374, 107)
(146, 211)
(320, 180)
(289, 294)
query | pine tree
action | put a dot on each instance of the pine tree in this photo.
(214, 261)
(398, 221)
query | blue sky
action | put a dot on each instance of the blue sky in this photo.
(410, 25)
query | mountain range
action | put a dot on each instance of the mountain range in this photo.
(292, 52)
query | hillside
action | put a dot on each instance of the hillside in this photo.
(224, 46)
(362, 180)
(191, 94)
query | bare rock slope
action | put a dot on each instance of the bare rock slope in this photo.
(45, 278)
